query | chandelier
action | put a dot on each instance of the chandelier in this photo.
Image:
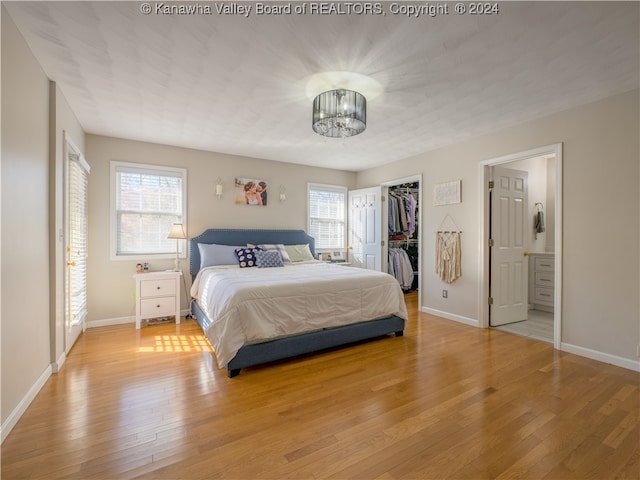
(339, 113)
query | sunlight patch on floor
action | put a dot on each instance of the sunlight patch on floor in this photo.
(177, 343)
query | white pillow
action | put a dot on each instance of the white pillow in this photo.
(299, 253)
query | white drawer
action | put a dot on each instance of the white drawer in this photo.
(543, 295)
(543, 264)
(158, 307)
(544, 279)
(157, 288)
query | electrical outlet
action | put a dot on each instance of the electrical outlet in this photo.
(445, 293)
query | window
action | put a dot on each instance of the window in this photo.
(146, 201)
(327, 211)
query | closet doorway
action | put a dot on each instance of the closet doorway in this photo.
(541, 247)
(402, 237)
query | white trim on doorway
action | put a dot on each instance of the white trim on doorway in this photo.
(483, 214)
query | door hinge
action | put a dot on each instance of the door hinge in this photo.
(382, 198)
(382, 243)
(490, 242)
(490, 300)
(491, 184)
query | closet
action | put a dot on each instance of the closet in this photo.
(403, 262)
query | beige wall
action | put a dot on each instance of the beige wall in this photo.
(34, 116)
(111, 286)
(25, 219)
(600, 213)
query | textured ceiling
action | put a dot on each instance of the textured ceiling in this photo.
(235, 84)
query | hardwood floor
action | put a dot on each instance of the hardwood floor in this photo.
(444, 401)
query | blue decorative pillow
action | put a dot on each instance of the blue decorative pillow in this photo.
(268, 259)
(246, 257)
(212, 255)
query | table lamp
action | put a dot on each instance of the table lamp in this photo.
(177, 232)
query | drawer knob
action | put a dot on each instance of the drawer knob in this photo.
(158, 306)
(158, 288)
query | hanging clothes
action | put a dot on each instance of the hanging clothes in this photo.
(400, 267)
(410, 208)
(393, 219)
(402, 213)
(448, 256)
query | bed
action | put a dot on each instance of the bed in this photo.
(252, 316)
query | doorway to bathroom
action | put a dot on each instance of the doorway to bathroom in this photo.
(522, 248)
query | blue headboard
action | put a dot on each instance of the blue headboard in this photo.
(242, 237)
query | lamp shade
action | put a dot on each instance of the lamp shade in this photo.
(177, 231)
(339, 113)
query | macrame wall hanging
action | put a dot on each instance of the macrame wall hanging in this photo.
(448, 252)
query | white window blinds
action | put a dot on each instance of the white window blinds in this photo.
(326, 221)
(77, 234)
(148, 201)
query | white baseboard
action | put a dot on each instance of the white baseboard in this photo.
(601, 357)
(57, 366)
(110, 321)
(120, 320)
(17, 412)
(451, 316)
(627, 363)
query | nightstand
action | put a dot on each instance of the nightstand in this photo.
(157, 295)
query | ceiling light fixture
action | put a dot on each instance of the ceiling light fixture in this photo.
(339, 113)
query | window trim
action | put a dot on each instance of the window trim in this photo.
(114, 165)
(338, 188)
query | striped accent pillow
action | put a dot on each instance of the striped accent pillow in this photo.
(277, 247)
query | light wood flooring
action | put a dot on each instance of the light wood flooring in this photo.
(444, 401)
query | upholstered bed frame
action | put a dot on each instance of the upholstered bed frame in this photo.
(281, 348)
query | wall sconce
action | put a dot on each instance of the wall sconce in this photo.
(219, 187)
(283, 193)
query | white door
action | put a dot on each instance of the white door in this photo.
(76, 232)
(509, 256)
(365, 228)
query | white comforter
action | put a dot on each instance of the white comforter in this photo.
(251, 305)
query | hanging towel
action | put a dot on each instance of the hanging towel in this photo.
(538, 222)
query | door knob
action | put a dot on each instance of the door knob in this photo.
(525, 253)
(71, 264)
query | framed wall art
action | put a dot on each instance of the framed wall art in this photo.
(249, 191)
(447, 193)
